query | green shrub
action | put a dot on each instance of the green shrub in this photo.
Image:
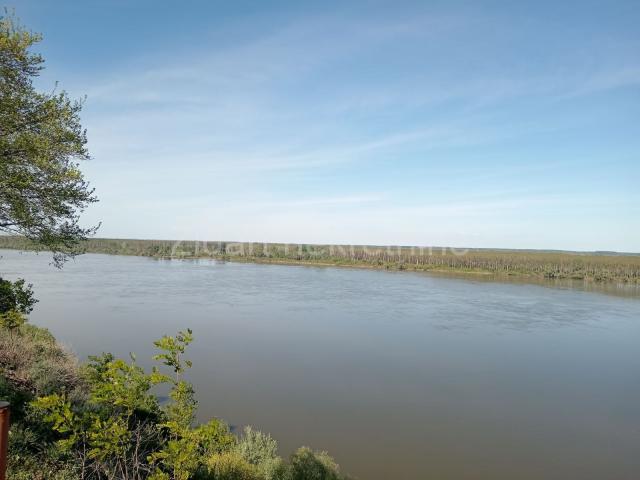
(231, 466)
(104, 420)
(309, 465)
(261, 451)
(32, 364)
(28, 467)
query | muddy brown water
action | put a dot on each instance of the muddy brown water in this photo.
(397, 375)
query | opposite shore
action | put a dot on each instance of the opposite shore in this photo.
(597, 267)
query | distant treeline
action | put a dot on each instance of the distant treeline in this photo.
(593, 266)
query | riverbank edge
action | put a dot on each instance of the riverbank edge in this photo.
(527, 277)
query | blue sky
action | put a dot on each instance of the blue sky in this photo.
(482, 124)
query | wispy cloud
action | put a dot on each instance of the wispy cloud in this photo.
(312, 114)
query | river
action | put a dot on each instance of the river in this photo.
(398, 375)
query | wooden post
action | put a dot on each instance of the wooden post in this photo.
(4, 438)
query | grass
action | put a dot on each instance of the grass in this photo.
(33, 363)
(587, 266)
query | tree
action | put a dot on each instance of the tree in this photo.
(16, 301)
(16, 296)
(42, 190)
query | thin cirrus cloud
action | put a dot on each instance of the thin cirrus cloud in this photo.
(370, 127)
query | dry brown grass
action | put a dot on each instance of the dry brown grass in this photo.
(33, 362)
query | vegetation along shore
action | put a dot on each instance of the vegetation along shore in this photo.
(103, 419)
(587, 266)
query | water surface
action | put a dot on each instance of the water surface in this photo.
(398, 375)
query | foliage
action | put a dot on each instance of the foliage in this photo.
(183, 456)
(28, 467)
(122, 431)
(42, 193)
(261, 451)
(104, 420)
(12, 320)
(309, 465)
(32, 363)
(16, 301)
(172, 350)
(231, 466)
(42, 190)
(16, 296)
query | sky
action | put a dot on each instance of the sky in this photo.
(466, 124)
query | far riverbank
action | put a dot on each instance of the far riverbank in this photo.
(588, 267)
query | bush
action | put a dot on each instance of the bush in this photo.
(104, 420)
(309, 465)
(231, 466)
(32, 363)
(261, 451)
(40, 468)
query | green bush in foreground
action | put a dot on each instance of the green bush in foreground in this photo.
(33, 364)
(104, 421)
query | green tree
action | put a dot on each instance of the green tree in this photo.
(16, 296)
(16, 301)
(42, 190)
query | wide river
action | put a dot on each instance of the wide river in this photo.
(397, 375)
